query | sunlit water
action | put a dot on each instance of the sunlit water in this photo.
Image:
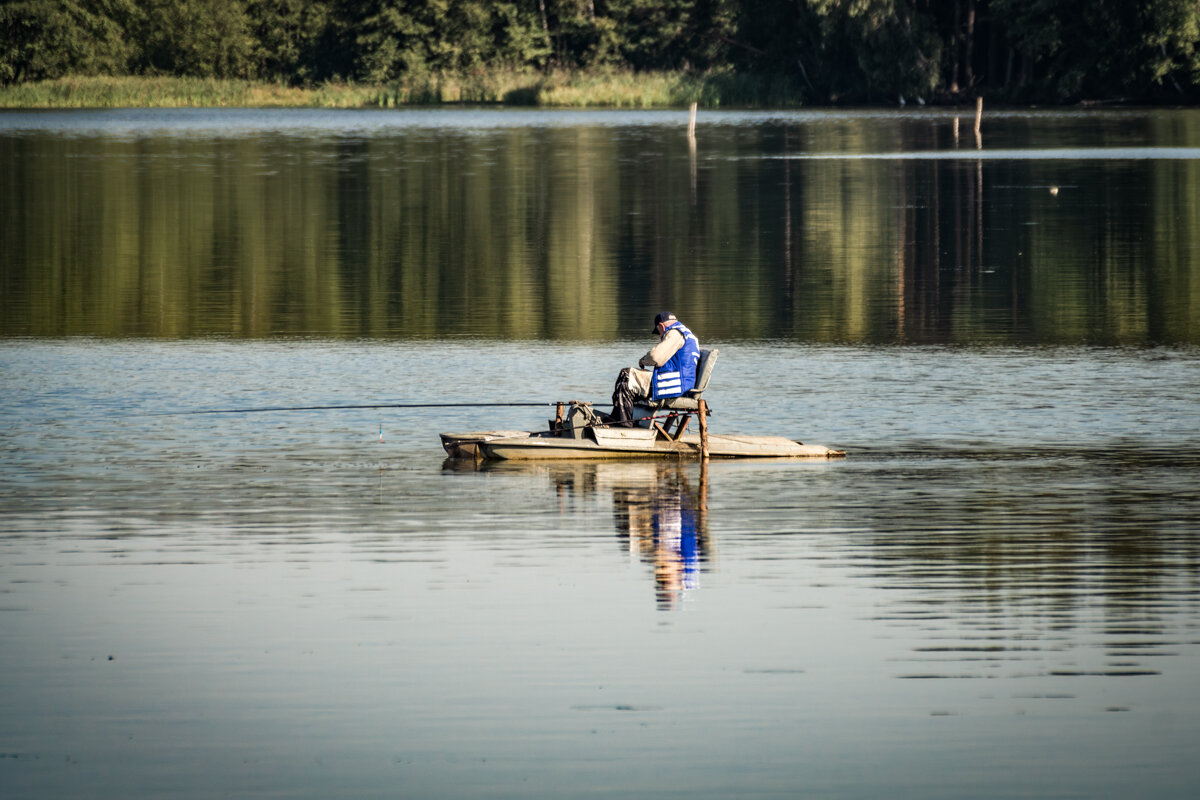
(996, 594)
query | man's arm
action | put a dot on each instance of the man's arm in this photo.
(661, 353)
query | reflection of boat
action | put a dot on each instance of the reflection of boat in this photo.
(660, 511)
(664, 521)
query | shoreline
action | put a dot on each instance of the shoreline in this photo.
(611, 89)
(513, 88)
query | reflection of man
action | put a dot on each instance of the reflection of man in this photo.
(667, 370)
(676, 550)
(662, 523)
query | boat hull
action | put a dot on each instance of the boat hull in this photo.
(624, 443)
(466, 445)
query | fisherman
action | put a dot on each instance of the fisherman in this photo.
(667, 370)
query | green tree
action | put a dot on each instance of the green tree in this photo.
(289, 38)
(894, 51)
(653, 34)
(390, 38)
(640, 34)
(519, 36)
(845, 50)
(407, 37)
(42, 39)
(1073, 49)
(202, 38)
(835, 50)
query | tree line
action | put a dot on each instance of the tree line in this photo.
(830, 51)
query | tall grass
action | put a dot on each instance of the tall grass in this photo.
(626, 89)
(514, 87)
(170, 92)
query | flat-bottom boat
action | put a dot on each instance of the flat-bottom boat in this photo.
(624, 443)
(583, 435)
(660, 430)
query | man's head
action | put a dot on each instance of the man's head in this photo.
(662, 320)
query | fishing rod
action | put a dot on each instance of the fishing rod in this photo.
(346, 407)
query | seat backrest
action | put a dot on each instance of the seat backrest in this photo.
(704, 369)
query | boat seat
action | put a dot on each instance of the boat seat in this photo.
(689, 400)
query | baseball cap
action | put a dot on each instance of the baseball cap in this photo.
(663, 316)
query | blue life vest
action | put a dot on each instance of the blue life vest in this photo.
(679, 374)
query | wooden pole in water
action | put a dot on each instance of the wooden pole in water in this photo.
(703, 430)
(692, 123)
(978, 121)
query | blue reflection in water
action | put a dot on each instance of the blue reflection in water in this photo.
(660, 512)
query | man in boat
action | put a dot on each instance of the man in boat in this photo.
(667, 370)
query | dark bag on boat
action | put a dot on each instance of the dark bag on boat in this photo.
(622, 401)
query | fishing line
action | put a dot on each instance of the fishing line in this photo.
(346, 407)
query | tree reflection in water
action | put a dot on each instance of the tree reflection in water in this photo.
(829, 227)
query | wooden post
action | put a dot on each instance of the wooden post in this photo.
(978, 122)
(691, 139)
(703, 430)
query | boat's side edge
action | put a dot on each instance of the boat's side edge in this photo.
(719, 448)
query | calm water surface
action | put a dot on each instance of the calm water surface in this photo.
(867, 228)
(997, 594)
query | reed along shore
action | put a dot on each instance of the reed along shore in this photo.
(559, 89)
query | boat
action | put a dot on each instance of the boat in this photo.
(661, 429)
(598, 442)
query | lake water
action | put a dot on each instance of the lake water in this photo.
(995, 595)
